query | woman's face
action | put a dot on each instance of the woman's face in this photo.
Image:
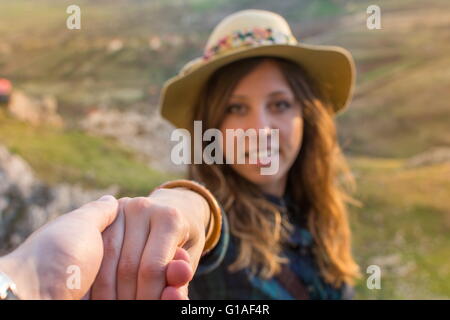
(263, 100)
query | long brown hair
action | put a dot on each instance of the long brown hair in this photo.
(314, 181)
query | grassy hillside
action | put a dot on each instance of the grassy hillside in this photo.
(403, 75)
(403, 227)
(127, 48)
(401, 106)
(82, 68)
(75, 157)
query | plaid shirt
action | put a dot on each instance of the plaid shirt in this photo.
(299, 279)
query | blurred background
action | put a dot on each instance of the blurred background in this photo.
(78, 116)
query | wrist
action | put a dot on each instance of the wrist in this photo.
(25, 283)
(214, 221)
(186, 201)
(199, 202)
(32, 277)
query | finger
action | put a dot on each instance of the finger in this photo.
(105, 284)
(179, 270)
(172, 293)
(168, 231)
(194, 252)
(88, 295)
(184, 291)
(191, 253)
(137, 226)
(178, 273)
(182, 254)
(101, 212)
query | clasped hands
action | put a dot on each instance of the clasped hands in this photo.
(131, 248)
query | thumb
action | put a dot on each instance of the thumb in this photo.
(101, 212)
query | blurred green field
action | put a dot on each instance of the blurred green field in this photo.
(400, 109)
(404, 227)
(71, 156)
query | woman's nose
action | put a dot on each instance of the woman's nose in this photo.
(260, 120)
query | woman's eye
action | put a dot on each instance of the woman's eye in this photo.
(235, 108)
(281, 105)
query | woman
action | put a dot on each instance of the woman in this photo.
(283, 235)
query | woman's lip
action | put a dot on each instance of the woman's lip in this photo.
(263, 159)
(263, 154)
(264, 162)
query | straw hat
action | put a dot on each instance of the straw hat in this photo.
(253, 33)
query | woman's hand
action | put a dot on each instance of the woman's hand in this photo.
(153, 248)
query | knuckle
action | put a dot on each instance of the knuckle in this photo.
(139, 204)
(127, 269)
(94, 206)
(172, 218)
(151, 271)
(103, 283)
(110, 247)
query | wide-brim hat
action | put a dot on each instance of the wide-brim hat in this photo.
(254, 33)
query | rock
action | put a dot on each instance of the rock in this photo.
(391, 260)
(115, 45)
(154, 42)
(146, 134)
(433, 156)
(393, 264)
(35, 111)
(26, 203)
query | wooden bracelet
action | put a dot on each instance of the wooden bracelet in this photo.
(214, 227)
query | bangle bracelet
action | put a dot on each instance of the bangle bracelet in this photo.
(214, 226)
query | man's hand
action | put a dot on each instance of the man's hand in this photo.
(43, 267)
(153, 248)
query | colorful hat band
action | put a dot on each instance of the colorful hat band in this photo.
(256, 36)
